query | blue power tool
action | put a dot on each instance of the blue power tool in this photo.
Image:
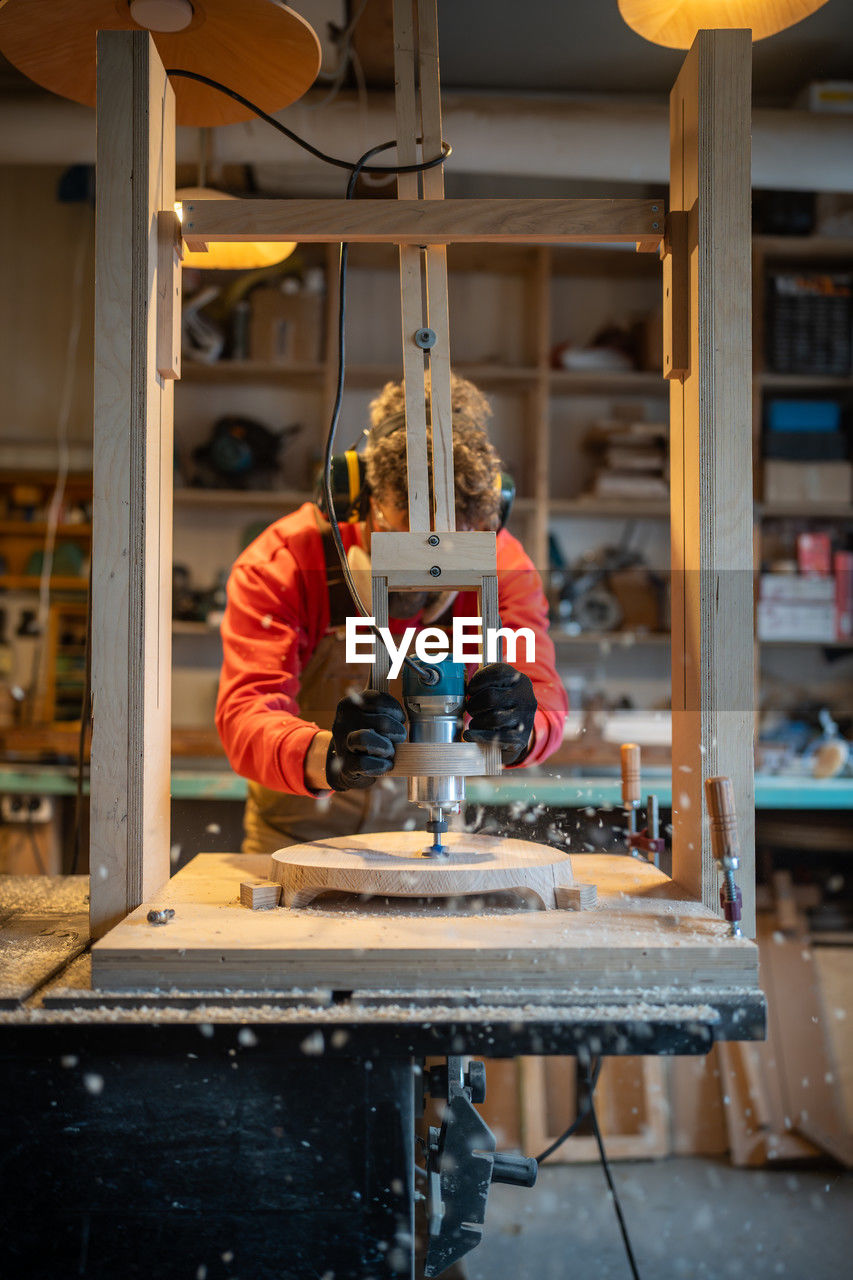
(435, 715)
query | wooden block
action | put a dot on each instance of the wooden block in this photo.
(169, 252)
(406, 559)
(676, 297)
(260, 895)
(576, 897)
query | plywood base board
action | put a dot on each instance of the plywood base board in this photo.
(394, 864)
(641, 935)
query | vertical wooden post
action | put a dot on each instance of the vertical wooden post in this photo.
(440, 401)
(711, 461)
(411, 291)
(132, 533)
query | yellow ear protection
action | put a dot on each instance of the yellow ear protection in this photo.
(351, 492)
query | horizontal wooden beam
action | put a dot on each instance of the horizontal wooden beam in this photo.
(424, 222)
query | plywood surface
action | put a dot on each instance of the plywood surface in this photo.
(641, 935)
(44, 923)
(394, 863)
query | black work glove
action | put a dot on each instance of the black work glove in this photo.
(502, 705)
(367, 725)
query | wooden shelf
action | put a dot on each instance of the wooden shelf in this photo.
(615, 639)
(803, 382)
(311, 375)
(485, 375)
(812, 644)
(805, 510)
(804, 247)
(38, 529)
(599, 507)
(610, 382)
(27, 582)
(182, 627)
(266, 499)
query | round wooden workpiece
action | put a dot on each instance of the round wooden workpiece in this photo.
(392, 864)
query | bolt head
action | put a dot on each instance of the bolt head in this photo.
(435, 572)
(433, 540)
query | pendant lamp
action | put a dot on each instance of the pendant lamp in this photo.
(674, 23)
(261, 48)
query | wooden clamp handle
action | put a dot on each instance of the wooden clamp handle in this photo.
(720, 796)
(630, 754)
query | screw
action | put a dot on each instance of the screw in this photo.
(435, 572)
(655, 226)
(655, 208)
(161, 917)
(425, 338)
(433, 540)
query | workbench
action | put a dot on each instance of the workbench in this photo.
(154, 1133)
(565, 791)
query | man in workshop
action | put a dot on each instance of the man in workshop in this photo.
(296, 720)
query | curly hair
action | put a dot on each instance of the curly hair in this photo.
(476, 465)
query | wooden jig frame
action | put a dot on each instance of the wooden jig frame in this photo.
(707, 308)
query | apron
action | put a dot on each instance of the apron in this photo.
(274, 819)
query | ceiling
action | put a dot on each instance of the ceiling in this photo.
(574, 46)
(564, 46)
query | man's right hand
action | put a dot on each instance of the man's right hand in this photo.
(367, 727)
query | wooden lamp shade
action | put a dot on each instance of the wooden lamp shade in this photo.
(674, 23)
(260, 48)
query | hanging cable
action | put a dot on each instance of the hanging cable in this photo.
(583, 1113)
(446, 149)
(623, 1227)
(587, 1110)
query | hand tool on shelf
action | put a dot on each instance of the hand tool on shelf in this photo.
(720, 797)
(647, 841)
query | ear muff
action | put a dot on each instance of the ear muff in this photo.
(505, 486)
(349, 487)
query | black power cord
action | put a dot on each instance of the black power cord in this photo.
(359, 166)
(588, 1110)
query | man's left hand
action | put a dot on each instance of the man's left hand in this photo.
(502, 707)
